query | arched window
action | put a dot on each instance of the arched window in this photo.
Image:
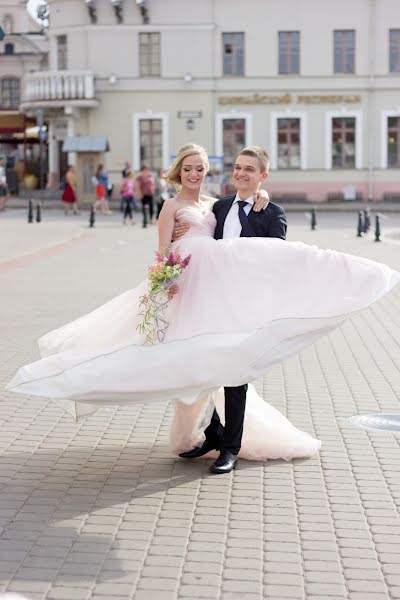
(8, 23)
(10, 92)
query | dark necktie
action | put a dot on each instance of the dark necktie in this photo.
(246, 229)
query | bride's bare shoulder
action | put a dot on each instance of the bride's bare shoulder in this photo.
(170, 206)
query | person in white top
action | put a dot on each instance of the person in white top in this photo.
(3, 184)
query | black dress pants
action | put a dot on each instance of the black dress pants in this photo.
(229, 437)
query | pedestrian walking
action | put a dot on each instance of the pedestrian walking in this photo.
(128, 188)
(3, 184)
(69, 196)
(127, 169)
(163, 191)
(100, 180)
(146, 189)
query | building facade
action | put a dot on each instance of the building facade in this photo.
(315, 82)
(23, 50)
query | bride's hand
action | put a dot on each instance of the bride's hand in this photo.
(261, 200)
(179, 230)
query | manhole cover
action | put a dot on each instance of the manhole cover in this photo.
(380, 421)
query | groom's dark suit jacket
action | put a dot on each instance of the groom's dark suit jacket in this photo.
(270, 222)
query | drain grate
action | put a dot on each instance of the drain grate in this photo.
(384, 422)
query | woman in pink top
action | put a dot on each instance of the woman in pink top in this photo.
(128, 189)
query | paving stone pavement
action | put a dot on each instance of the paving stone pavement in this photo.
(102, 510)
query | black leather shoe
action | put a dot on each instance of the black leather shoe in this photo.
(225, 463)
(199, 450)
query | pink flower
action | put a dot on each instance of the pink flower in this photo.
(186, 261)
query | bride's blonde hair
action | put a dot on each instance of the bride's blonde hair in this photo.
(174, 172)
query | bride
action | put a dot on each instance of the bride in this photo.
(242, 306)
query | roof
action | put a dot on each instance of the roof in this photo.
(86, 143)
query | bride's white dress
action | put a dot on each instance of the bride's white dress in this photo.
(243, 305)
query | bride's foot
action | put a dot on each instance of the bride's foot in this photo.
(199, 450)
(225, 463)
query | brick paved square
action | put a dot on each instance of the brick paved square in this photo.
(100, 509)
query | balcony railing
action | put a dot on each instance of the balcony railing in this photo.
(59, 85)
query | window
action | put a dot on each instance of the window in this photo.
(344, 51)
(233, 140)
(233, 54)
(150, 133)
(9, 49)
(8, 23)
(149, 53)
(289, 144)
(289, 52)
(393, 142)
(344, 143)
(394, 50)
(10, 93)
(62, 53)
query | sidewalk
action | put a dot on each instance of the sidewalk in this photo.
(100, 510)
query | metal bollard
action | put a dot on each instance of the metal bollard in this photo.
(145, 216)
(38, 212)
(360, 224)
(30, 212)
(313, 219)
(92, 217)
(377, 228)
(367, 220)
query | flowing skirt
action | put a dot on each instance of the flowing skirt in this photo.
(243, 306)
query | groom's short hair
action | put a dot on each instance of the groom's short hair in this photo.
(260, 154)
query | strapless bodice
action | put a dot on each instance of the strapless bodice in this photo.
(200, 217)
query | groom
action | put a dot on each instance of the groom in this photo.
(236, 218)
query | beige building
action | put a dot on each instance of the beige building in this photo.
(316, 82)
(23, 49)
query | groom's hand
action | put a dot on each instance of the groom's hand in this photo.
(179, 230)
(261, 200)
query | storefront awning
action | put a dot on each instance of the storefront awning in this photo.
(11, 122)
(86, 143)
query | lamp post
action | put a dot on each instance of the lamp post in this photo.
(42, 136)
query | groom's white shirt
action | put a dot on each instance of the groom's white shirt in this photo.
(232, 225)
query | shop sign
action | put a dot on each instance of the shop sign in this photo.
(189, 114)
(255, 99)
(288, 99)
(327, 99)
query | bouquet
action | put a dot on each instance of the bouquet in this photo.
(163, 277)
